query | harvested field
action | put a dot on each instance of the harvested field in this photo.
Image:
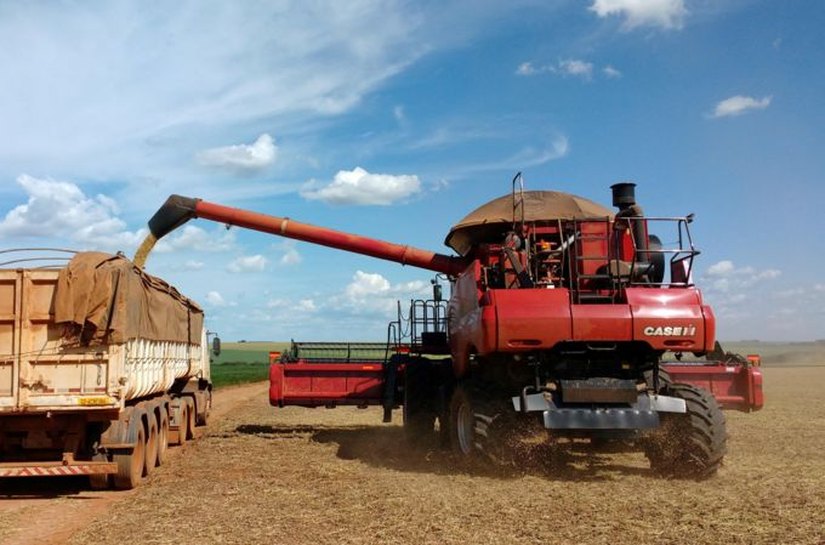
(318, 476)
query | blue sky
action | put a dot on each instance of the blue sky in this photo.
(395, 119)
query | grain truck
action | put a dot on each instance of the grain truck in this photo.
(102, 367)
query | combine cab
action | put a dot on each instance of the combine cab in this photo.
(559, 315)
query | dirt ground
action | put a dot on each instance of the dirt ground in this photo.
(300, 476)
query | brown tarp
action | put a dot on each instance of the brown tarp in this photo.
(490, 221)
(102, 299)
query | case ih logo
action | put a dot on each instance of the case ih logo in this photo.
(670, 331)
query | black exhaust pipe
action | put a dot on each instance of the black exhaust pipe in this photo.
(624, 198)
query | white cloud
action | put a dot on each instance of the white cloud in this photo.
(242, 157)
(611, 72)
(306, 305)
(216, 299)
(667, 14)
(192, 237)
(576, 67)
(739, 104)
(819, 287)
(372, 293)
(360, 187)
(567, 67)
(250, 263)
(399, 114)
(726, 278)
(721, 268)
(290, 256)
(277, 303)
(177, 69)
(366, 284)
(527, 69)
(192, 265)
(527, 157)
(61, 210)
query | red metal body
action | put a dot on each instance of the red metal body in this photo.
(737, 387)
(560, 291)
(320, 384)
(362, 383)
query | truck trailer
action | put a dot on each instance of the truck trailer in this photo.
(102, 367)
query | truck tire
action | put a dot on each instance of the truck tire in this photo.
(163, 433)
(100, 481)
(130, 466)
(203, 416)
(418, 409)
(183, 422)
(190, 428)
(150, 458)
(690, 445)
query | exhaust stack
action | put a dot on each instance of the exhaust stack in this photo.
(624, 198)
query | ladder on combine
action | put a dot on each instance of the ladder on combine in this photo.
(591, 258)
(422, 331)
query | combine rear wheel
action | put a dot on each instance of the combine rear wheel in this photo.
(690, 445)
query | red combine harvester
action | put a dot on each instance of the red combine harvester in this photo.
(559, 316)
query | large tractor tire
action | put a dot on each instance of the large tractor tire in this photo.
(484, 426)
(463, 436)
(690, 445)
(419, 409)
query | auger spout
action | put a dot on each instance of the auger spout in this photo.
(177, 210)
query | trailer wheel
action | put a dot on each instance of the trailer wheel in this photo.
(150, 458)
(163, 433)
(203, 417)
(417, 410)
(130, 466)
(100, 481)
(690, 445)
(190, 405)
(183, 422)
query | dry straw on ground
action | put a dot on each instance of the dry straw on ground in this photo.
(296, 476)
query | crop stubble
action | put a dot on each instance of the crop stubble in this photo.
(296, 476)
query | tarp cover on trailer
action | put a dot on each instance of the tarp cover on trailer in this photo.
(490, 221)
(106, 299)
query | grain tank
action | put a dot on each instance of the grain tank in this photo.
(102, 366)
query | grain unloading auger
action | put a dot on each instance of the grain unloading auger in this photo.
(559, 315)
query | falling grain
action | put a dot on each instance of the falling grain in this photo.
(144, 249)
